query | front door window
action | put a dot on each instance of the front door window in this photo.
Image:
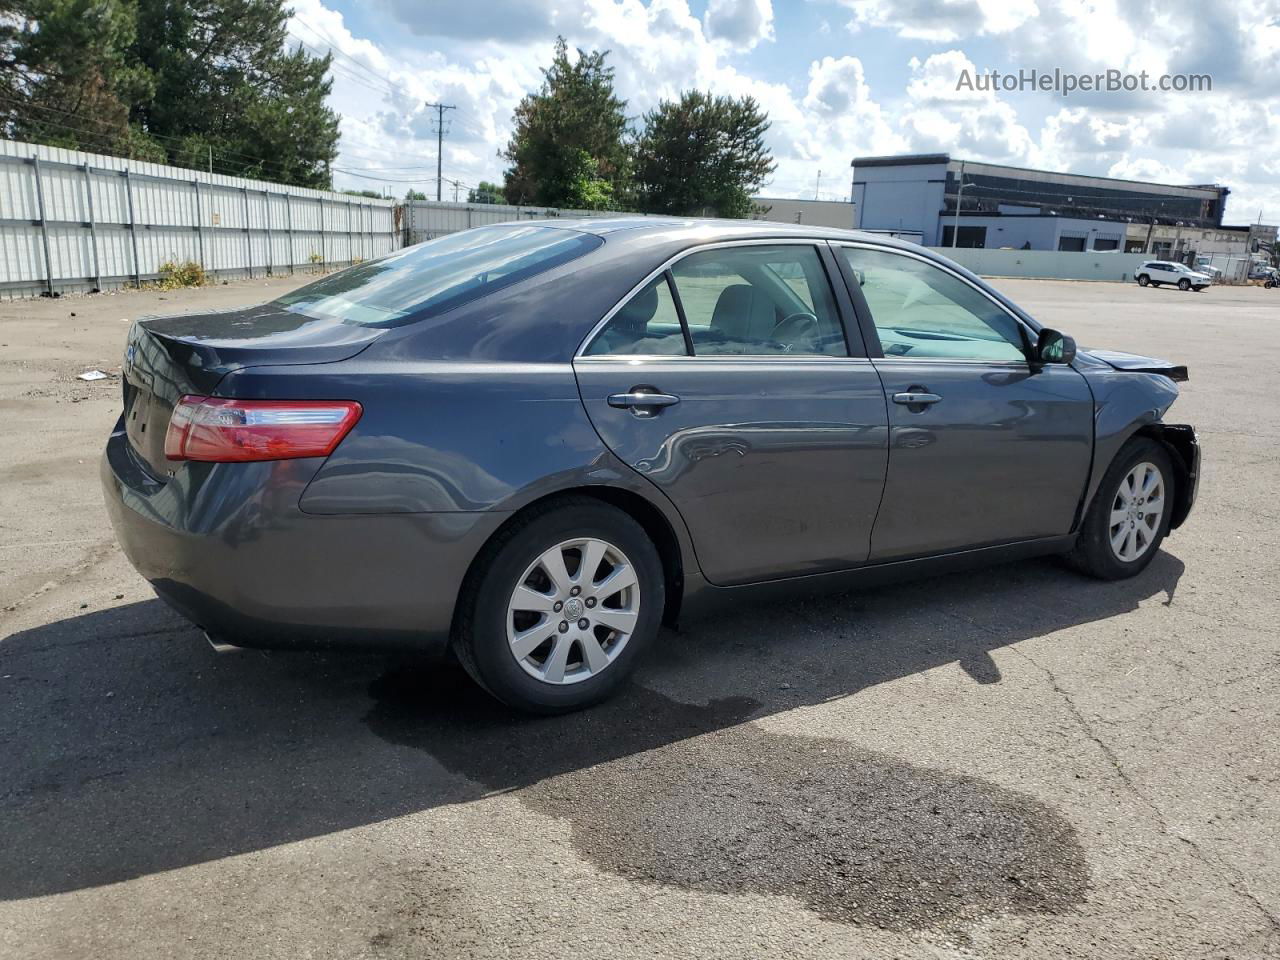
(922, 311)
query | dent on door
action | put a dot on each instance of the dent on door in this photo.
(777, 467)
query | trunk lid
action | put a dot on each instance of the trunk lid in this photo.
(168, 357)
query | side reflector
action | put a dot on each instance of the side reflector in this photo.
(230, 431)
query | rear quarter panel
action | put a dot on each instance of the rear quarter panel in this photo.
(452, 437)
(437, 437)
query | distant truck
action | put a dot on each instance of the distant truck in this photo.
(1205, 265)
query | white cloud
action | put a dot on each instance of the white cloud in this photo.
(940, 21)
(740, 24)
(970, 123)
(836, 110)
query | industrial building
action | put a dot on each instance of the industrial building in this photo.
(813, 213)
(964, 203)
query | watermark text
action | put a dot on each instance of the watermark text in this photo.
(1065, 84)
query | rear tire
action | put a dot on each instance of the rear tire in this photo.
(532, 628)
(1143, 280)
(1119, 537)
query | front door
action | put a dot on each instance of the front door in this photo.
(983, 448)
(727, 381)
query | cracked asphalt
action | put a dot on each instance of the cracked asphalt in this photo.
(1012, 762)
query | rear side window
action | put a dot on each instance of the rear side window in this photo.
(748, 300)
(432, 277)
(648, 324)
(759, 301)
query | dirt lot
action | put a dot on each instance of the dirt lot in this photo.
(1008, 763)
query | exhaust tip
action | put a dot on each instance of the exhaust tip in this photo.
(219, 646)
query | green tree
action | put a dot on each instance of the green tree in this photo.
(223, 78)
(569, 147)
(184, 81)
(703, 154)
(65, 78)
(486, 193)
(412, 195)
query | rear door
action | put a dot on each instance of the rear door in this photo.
(983, 448)
(728, 381)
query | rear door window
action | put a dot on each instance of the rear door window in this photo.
(647, 324)
(759, 300)
(438, 275)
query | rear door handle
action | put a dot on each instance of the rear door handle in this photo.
(641, 402)
(912, 398)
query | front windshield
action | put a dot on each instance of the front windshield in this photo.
(437, 275)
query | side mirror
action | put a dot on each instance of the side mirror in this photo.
(1054, 347)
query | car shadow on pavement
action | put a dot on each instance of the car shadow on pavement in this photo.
(127, 747)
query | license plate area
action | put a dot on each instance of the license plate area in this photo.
(137, 416)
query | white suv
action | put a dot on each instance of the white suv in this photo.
(1155, 272)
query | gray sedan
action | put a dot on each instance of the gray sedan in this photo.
(534, 443)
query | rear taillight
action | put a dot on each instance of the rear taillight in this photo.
(211, 428)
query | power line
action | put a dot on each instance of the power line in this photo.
(338, 52)
(341, 70)
(107, 146)
(404, 169)
(364, 176)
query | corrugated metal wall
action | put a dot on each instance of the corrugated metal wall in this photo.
(426, 219)
(72, 221)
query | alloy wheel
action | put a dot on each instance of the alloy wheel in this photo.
(1136, 512)
(573, 611)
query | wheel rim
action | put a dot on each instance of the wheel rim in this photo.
(573, 611)
(1136, 512)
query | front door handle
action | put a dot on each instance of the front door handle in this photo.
(916, 398)
(643, 401)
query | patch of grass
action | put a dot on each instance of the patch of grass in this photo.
(175, 275)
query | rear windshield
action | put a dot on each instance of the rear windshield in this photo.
(435, 276)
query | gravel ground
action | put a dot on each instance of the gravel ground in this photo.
(1013, 762)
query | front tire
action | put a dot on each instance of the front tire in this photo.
(1130, 513)
(565, 602)
(1184, 285)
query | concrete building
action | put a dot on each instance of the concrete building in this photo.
(1002, 206)
(1175, 242)
(815, 213)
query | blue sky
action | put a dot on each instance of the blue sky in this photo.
(839, 78)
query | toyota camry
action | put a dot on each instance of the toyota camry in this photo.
(534, 443)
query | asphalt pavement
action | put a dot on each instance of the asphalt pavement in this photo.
(1013, 762)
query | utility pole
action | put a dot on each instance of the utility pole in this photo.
(456, 185)
(440, 108)
(817, 187)
(955, 230)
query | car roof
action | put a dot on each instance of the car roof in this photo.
(662, 230)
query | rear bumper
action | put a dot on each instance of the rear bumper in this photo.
(227, 546)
